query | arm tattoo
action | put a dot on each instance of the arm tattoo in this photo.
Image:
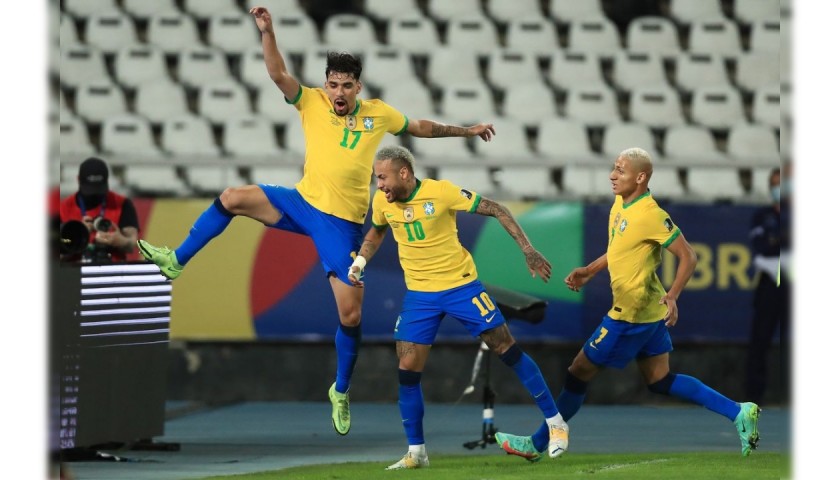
(491, 208)
(367, 249)
(440, 130)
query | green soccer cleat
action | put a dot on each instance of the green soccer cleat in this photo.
(747, 424)
(340, 410)
(519, 446)
(409, 461)
(163, 257)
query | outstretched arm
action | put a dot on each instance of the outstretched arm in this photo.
(687, 259)
(578, 277)
(432, 129)
(373, 239)
(537, 264)
(273, 59)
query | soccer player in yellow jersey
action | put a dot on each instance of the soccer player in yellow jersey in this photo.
(442, 280)
(636, 325)
(330, 202)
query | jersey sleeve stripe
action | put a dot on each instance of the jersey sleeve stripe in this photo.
(672, 238)
(404, 127)
(297, 97)
(475, 203)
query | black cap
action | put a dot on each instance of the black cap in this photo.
(93, 177)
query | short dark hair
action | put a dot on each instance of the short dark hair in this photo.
(343, 62)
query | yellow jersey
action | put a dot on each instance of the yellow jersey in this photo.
(431, 255)
(339, 155)
(638, 232)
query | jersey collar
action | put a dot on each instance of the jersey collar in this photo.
(413, 193)
(646, 194)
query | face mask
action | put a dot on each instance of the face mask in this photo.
(91, 201)
(776, 193)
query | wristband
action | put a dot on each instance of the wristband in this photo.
(360, 262)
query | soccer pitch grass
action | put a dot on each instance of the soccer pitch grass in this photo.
(648, 466)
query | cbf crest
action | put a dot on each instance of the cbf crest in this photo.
(429, 208)
(623, 226)
(368, 123)
(408, 213)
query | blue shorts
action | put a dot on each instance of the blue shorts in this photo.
(616, 342)
(334, 238)
(423, 311)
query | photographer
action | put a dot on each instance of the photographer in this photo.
(110, 219)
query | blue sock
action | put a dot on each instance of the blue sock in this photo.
(209, 224)
(347, 341)
(693, 390)
(411, 406)
(530, 376)
(568, 402)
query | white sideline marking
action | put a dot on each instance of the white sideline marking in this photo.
(618, 466)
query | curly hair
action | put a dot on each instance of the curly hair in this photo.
(343, 62)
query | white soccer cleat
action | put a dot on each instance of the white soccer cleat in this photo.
(410, 460)
(558, 439)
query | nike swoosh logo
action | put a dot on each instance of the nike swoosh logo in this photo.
(593, 345)
(388, 215)
(488, 320)
(743, 429)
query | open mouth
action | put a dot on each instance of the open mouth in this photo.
(340, 105)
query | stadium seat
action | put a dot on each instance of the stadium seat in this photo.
(140, 63)
(384, 65)
(635, 70)
(749, 143)
(252, 69)
(717, 107)
(527, 182)
(505, 11)
(233, 32)
(97, 100)
(270, 104)
(760, 182)
(250, 136)
(314, 66)
(595, 105)
(129, 135)
(530, 102)
(172, 32)
(73, 136)
(442, 11)
(714, 183)
(281, 7)
(285, 175)
(585, 180)
(560, 140)
(511, 68)
(596, 35)
(212, 180)
(532, 34)
(474, 178)
(656, 106)
(445, 149)
(84, 8)
(575, 69)
(688, 11)
(565, 11)
(467, 102)
(144, 9)
(294, 140)
(692, 144)
(218, 101)
(694, 70)
(748, 11)
(411, 97)
(68, 36)
(785, 140)
(473, 33)
(297, 30)
(204, 9)
(190, 136)
(160, 99)
(654, 35)
(415, 34)
(156, 180)
(386, 10)
(766, 106)
(621, 136)
(448, 65)
(199, 65)
(717, 37)
(110, 32)
(514, 149)
(765, 36)
(82, 64)
(754, 70)
(665, 182)
(353, 32)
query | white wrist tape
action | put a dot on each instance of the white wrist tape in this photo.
(358, 262)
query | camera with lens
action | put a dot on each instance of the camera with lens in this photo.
(102, 224)
(75, 244)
